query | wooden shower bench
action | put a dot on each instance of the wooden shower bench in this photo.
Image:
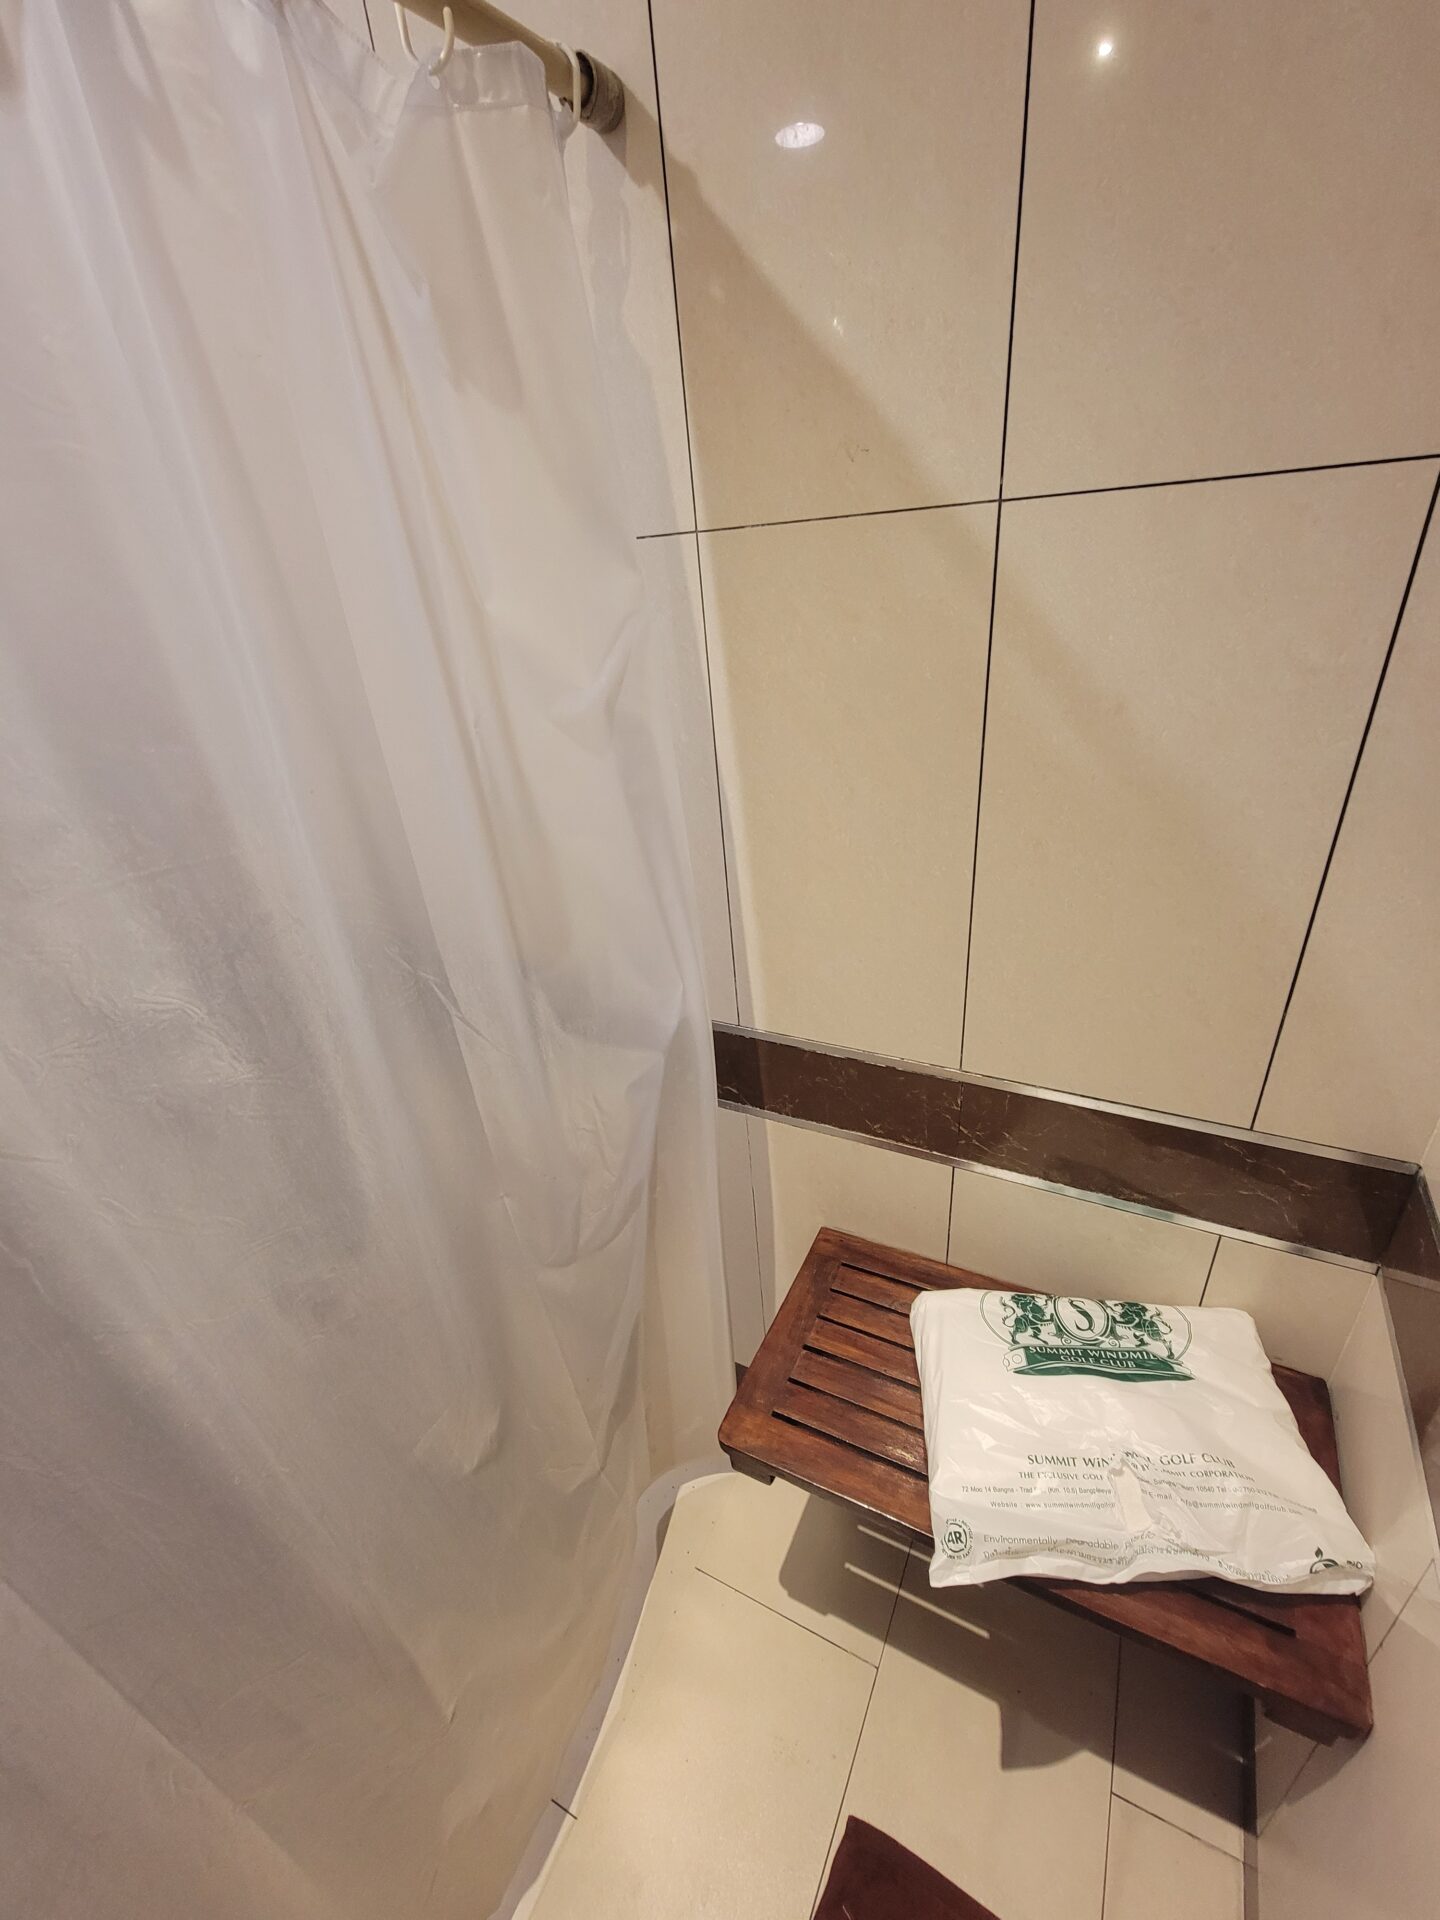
(831, 1402)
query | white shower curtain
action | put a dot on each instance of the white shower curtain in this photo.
(358, 1255)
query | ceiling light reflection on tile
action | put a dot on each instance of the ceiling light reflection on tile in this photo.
(800, 133)
(1104, 49)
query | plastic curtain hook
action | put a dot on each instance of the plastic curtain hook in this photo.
(576, 82)
(442, 59)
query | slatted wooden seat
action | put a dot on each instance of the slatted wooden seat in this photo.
(832, 1402)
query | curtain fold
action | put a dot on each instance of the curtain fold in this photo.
(358, 1247)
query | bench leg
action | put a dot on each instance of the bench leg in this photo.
(743, 1464)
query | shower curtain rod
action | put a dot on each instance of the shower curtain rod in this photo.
(602, 96)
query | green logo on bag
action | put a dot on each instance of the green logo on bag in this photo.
(1120, 1339)
(956, 1539)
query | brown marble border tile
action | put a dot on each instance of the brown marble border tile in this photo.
(1246, 1184)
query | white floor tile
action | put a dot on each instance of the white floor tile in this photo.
(810, 1559)
(986, 1749)
(1154, 1869)
(716, 1782)
(1179, 1746)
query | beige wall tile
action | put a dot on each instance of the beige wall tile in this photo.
(845, 308)
(671, 574)
(848, 667)
(1179, 683)
(986, 1749)
(1030, 1238)
(1358, 1834)
(1230, 254)
(1304, 1309)
(1380, 1464)
(1153, 1868)
(1359, 1058)
(806, 1180)
(743, 1289)
(1180, 1741)
(1415, 1316)
(617, 198)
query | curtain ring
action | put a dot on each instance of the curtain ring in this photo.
(442, 59)
(577, 82)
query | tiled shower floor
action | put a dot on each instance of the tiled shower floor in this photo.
(792, 1667)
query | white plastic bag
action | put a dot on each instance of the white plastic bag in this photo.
(1108, 1440)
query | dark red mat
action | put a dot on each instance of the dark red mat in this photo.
(874, 1878)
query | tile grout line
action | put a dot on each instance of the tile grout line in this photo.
(1059, 493)
(1212, 479)
(980, 782)
(1317, 1746)
(808, 519)
(860, 1734)
(788, 1618)
(755, 1227)
(1113, 1796)
(694, 531)
(1189, 1832)
(694, 507)
(704, 632)
(1249, 1781)
(950, 1215)
(1275, 1812)
(1371, 1658)
(674, 280)
(845, 1788)
(1214, 1256)
(719, 786)
(1345, 802)
(999, 523)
